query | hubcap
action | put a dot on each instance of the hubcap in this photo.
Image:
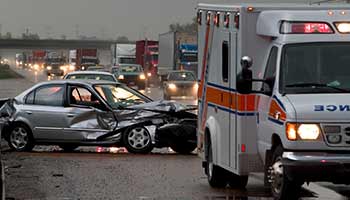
(139, 138)
(276, 176)
(19, 138)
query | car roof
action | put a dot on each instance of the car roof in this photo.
(181, 71)
(89, 72)
(78, 81)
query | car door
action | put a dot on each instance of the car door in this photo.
(83, 111)
(44, 112)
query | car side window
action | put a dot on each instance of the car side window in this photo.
(51, 95)
(30, 98)
(270, 73)
(82, 96)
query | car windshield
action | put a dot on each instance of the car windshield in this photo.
(189, 58)
(315, 68)
(181, 76)
(130, 68)
(118, 96)
(127, 60)
(91, 77)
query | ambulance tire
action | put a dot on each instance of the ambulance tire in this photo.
(238, 182)
(217, 177)
(282, 187)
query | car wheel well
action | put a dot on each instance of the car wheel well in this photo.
(207, 140)
(275, 141)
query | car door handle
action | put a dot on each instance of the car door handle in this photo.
(29, 112)
(70, 115)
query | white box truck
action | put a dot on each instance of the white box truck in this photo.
(124, 54)
(274, 94)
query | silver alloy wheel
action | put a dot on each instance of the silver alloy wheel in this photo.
(19, 138)
(277, 176)
(139, 138)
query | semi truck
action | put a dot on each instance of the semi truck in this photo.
(147, 57)
(124, 54)
(38, 59)
(55, 63)
(86, 58)
(274, 94)
(177, 51)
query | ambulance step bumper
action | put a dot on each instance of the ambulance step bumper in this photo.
(317, 166)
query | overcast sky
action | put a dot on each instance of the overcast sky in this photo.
(102, 18)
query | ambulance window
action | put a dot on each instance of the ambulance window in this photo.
(225, 61)
(270, 73)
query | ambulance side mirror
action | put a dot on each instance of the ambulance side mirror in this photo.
(245, 77)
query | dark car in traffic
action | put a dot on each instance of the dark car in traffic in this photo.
(180, 83)
(132, 75)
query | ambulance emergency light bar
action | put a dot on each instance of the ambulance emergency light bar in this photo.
(288, 27)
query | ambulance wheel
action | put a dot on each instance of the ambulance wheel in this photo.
(216, 175)
(281, 186)
(238, 182)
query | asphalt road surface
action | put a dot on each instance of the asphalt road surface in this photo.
(110, 173)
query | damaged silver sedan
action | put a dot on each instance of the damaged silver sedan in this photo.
(73, 113)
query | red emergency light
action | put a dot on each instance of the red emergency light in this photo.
(306, 28)
(217, 19)
(199, 17)
(227, 20)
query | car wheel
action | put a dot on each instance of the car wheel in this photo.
(138, 140)
(68, 147)
(281, 186)
(184, 148)
(238, 182)
(217, 177)
(20, 138)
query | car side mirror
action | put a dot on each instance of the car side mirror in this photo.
(245, 77)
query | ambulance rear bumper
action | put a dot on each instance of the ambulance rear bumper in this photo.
(317, 166)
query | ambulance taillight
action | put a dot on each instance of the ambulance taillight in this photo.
(305, 28)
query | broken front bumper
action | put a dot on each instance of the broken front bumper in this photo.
(317, 166)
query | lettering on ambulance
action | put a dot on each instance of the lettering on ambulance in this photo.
(277, 111)
(332, 108)
(204, 78)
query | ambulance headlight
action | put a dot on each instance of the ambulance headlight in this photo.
(303, 131)
(343, 27)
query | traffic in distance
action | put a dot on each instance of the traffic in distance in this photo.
(258, 93)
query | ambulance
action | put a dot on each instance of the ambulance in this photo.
(274, 94)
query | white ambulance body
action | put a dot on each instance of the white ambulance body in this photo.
(294, 124)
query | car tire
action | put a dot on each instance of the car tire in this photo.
(238, 182)
(281, 186)
(184, 148)
(20, 138)
(138, 140)
(68, 147)
(217, 177)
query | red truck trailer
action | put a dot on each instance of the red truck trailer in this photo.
(147, 56)
(86, 58)
(38, 59)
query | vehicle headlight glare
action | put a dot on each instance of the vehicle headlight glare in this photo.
(142, 77)
(48, 67)
(172, 86)
(296, 131)
(308, 131)
(121, 77)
